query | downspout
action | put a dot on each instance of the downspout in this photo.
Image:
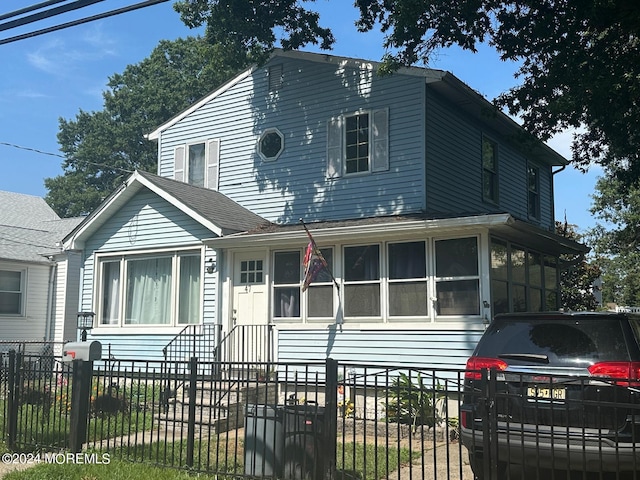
(49, 330)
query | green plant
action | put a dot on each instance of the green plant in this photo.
(414, 404)
(346, 408)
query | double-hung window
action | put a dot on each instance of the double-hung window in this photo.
(162, 288)
(356, 157)
(407, 279)
(489, 170)
(457, 276)
(195, 164)
(286, 284)
(533, 191)
(362, 281)
(11, 292)
(288, 298)
(320, 291)
(198, 163)
(358, 143)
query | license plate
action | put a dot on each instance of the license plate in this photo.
(547, 393)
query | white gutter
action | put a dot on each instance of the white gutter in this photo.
(386, 229)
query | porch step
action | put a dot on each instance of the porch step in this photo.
(219, 404)
(216, 419)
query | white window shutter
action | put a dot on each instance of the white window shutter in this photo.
(334, 147)
(213, 163)
(380, 139)
(178, 163)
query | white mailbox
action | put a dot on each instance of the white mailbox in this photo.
(87, 351)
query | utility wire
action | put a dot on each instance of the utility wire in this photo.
(81, 21)
(32, 8)
(47, 14)
(35, 150)
(31, 149)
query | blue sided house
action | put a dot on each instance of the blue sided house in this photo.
(432, 209)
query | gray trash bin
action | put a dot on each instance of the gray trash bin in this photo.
(304, 442)
(263, 440)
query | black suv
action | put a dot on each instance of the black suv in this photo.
(554, 391)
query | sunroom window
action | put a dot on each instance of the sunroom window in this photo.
(156, 289)
(362, 281)
(286, 284)
(407, 279)
(320, 291)
(457, 277)
(522, 280)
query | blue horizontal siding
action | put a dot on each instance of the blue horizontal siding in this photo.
(295, 185)
(427, 348)
(127, 346)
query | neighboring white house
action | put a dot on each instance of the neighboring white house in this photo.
(39, 282)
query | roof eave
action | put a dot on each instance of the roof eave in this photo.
(479, 107)
(132, 186)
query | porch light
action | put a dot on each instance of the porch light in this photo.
(85, 322)
(210, 266)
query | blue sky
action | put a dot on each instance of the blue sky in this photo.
(58, 74)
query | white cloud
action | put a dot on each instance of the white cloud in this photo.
(63, 54)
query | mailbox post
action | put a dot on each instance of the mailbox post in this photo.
(82, 355)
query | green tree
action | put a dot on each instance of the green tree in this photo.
(102, 148)
(577, 275)
(616, 238)
(579, 59)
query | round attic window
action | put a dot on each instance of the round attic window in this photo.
(271, 144)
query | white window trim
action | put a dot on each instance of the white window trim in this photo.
(378, 143)
(370, 129)
(211, 162)
(301, 295)
(259, 144)
(433, 285)
(122, 257)
(385, 320)
(23, 292)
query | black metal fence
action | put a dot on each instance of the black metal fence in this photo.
(266, 419)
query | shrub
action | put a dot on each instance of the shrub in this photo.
(414, 403)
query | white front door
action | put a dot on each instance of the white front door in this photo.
(249, 289)
(249, 312)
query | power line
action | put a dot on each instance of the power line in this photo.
(81, 21)
(87, 162)
(32, 8)
(47, 14)
(13, 145)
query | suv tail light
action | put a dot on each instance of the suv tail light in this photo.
(475, 364)
(628, 372)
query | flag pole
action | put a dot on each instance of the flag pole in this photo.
(324, 261)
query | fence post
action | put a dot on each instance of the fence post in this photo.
(12, 401)
(489, 425)
(191, 421)
(80, 394)
(331, 417)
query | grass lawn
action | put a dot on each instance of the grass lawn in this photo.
(373, 461)
(115, 470)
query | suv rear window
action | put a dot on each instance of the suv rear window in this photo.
(568, 342)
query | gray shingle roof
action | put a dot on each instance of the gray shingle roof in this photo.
(212, 205)
(29, 228)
